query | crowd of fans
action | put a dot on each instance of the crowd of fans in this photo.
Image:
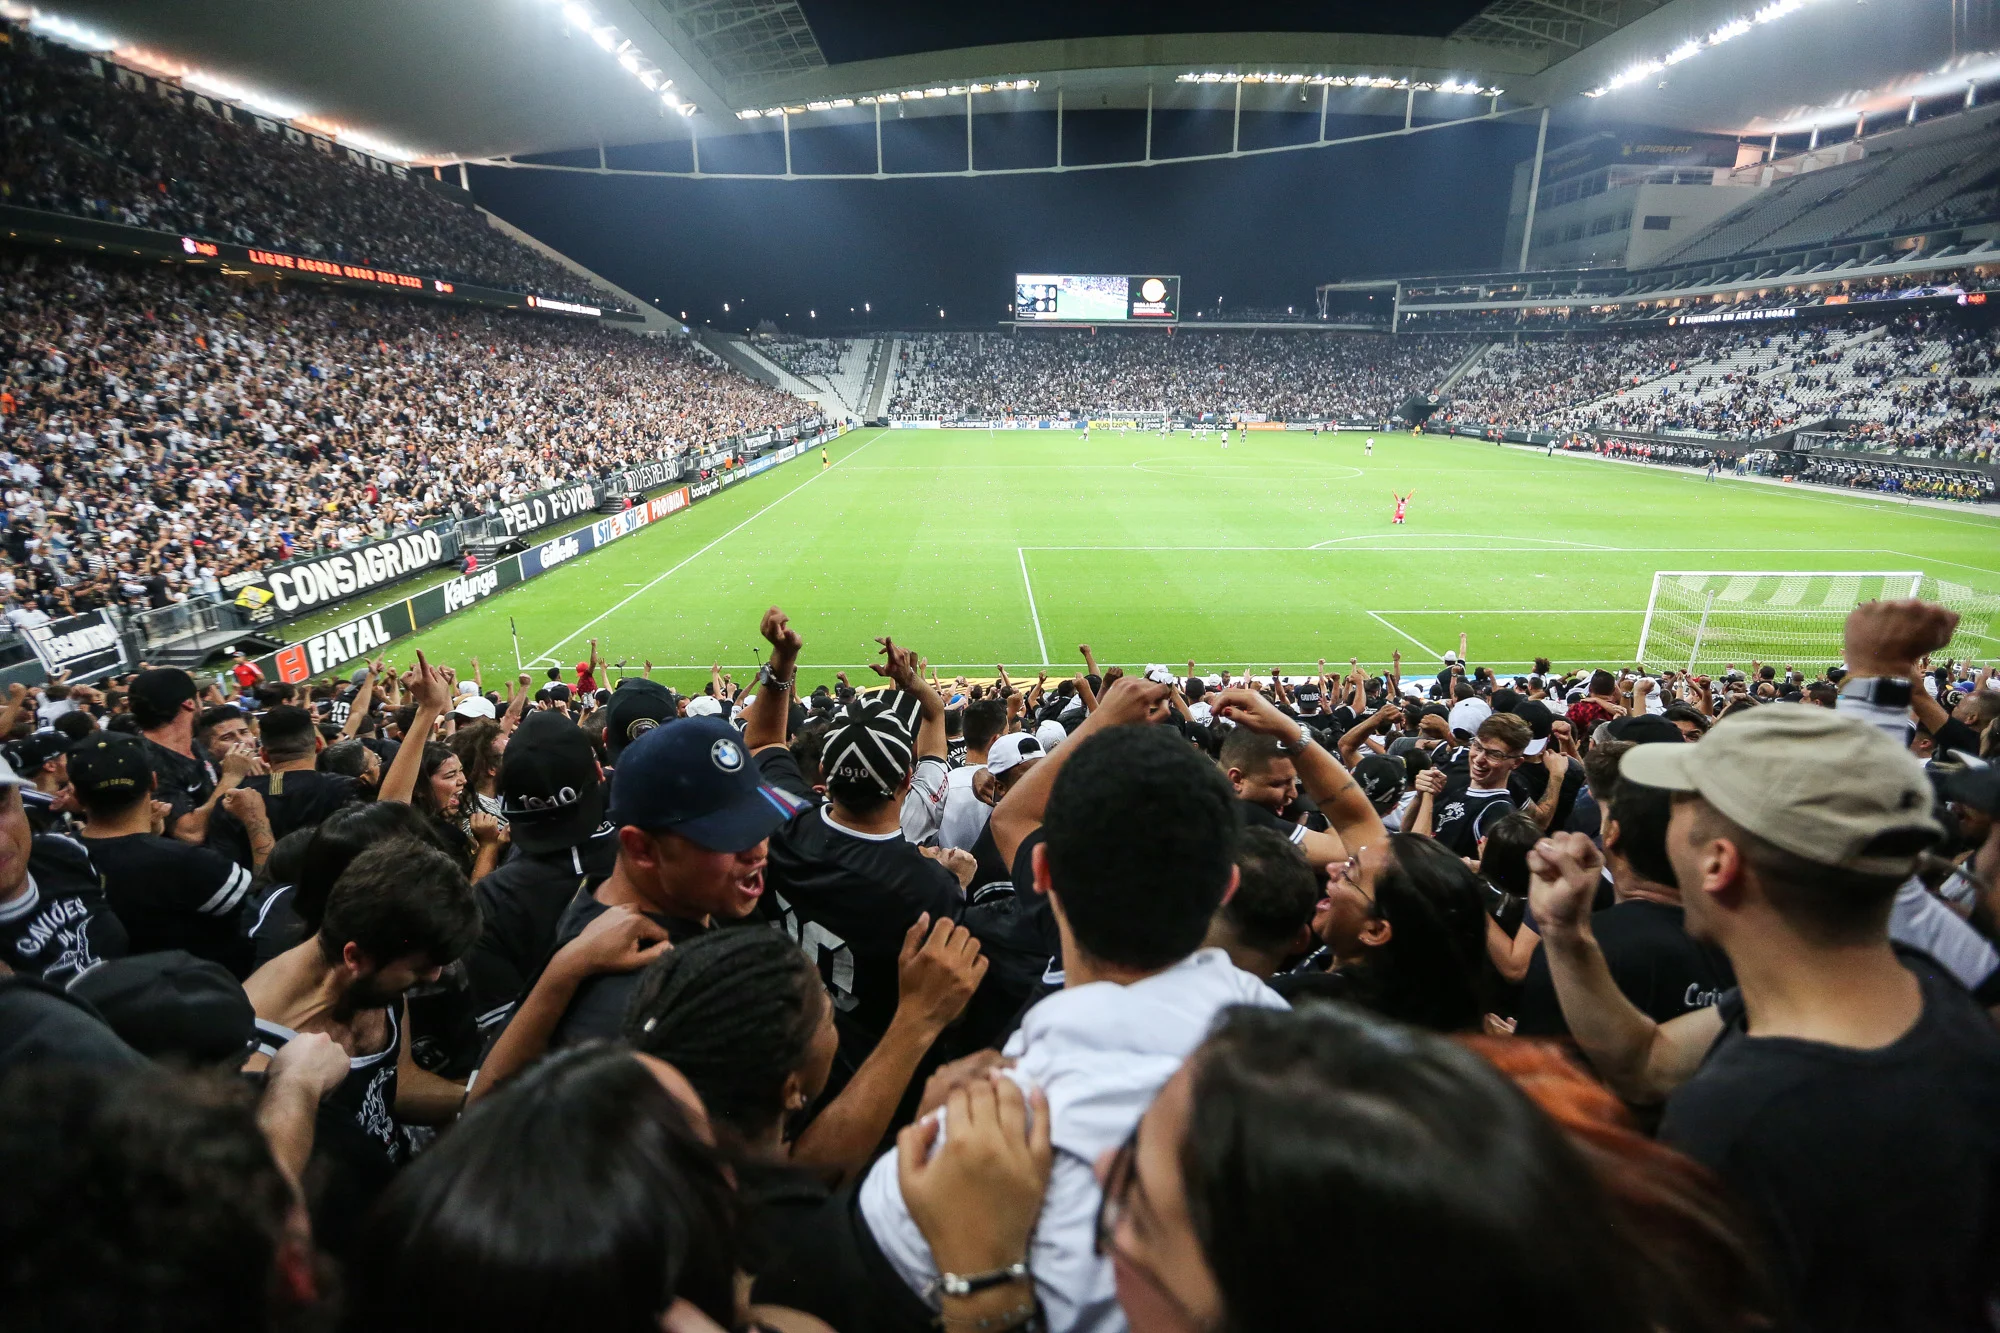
(1282, 376)
(77, 142)
(804, 357)
(161, 429)
(1921, 386)
(1615, 999)
(1895, 479)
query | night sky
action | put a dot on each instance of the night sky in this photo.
(1258, 231)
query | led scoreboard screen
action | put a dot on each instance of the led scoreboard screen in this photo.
(1097, 298)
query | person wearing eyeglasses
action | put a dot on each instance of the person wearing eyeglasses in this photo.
(1456, 806)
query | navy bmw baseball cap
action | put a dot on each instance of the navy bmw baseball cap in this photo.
(695, 777)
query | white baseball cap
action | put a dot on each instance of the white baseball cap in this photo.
(1451, 655)
(1051, 734)
(1015, 748)
(1467, 714)
(704, 705)
(474, 705)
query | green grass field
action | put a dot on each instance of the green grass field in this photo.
(1015, 548)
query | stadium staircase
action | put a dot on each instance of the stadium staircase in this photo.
(878, 385)
(1464, 367)
(760, 367)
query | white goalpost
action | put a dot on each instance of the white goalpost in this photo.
(1697, 619)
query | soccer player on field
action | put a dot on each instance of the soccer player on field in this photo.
(1402, 503)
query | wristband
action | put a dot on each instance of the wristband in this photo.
(953, 1284)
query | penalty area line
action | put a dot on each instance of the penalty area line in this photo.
(1033, 614)
(1411, 637)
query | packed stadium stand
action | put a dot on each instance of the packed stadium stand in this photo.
(161, 429)
(1287, 376)
(75, 141)
(1920, 386)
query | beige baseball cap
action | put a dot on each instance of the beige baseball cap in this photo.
(1820, 784)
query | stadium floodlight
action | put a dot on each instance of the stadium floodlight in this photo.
(204, 82)
(70, 32)
(630, 59)
(1729, 31)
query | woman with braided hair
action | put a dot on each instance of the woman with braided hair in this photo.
(746, 1017)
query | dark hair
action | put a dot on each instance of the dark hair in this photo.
(76, 724)
(137, 1198)
(1642, 813)
(288, 732)
(1140, 836)
(1433, 970)
(1412, 1157)
(576, 1197)
(435, 755)
(1503, 860)
(1276, 890)
(348, 758)
(1541, 667)
(1689, 713)
(1829, 904)
(400, 898)
(1248, 751)
(735, 1011)
(1602, 681)
(985, 719)
(1600, 770)
(342, 836)
(208, 719)
(807, 744)
(473, 743)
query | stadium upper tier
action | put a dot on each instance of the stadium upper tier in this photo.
(1948, 174)
(75, 141)
(1281, 375)
(160, 429)
(1920, 386)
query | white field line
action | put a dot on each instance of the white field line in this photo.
(643, 588)
(1033, 614)
(1411, 637)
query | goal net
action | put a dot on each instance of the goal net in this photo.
(1703, 619)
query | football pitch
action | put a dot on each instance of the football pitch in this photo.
(1013, 548)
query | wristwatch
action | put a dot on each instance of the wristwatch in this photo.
(1305, 739)
(764, 677)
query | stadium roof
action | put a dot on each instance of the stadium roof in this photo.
(430, 80)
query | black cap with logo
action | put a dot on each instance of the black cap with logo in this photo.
(637, 706)
(551, 794)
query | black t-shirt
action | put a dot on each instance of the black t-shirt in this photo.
(1657, 966)
(848, 899)
(1016, 930)
(1461, 815)
(597, 1011)
(59, 924)
(293, 801)
(1258, 816)
(520, 906)
(173, 896)
(184, 783)
(1875, 1174)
